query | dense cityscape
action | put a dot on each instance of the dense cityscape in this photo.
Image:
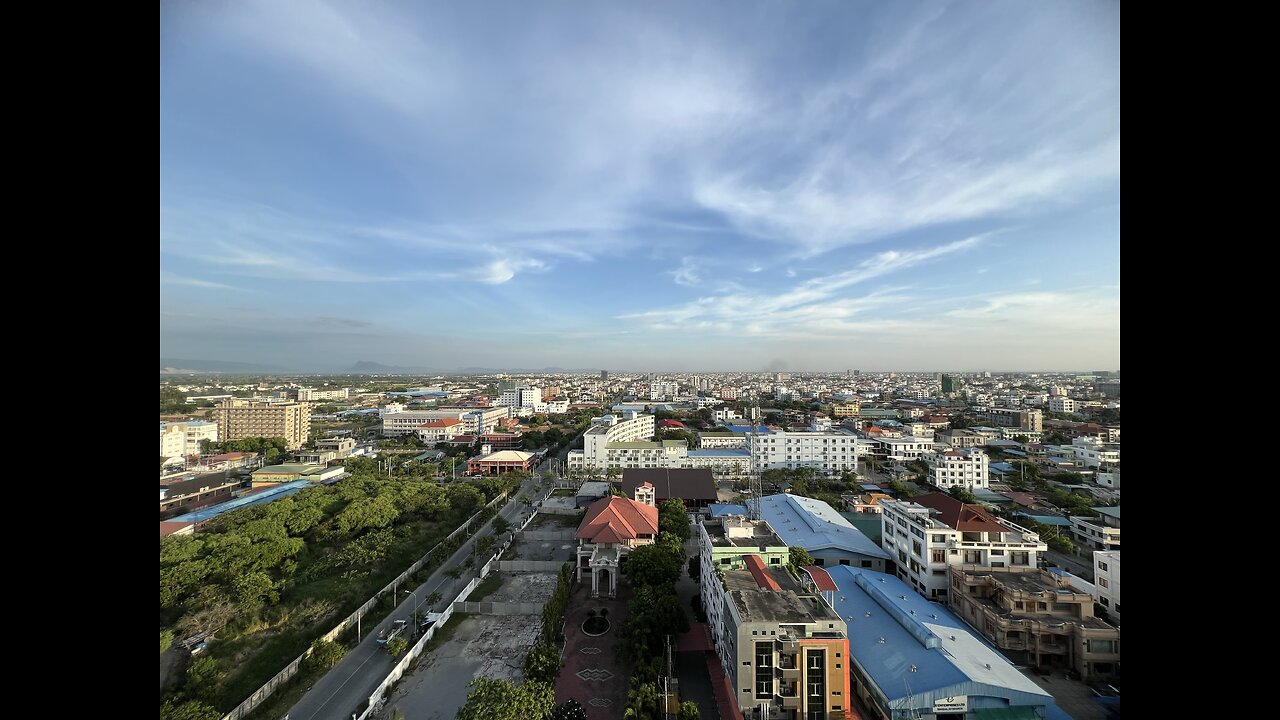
(531, 360)
(971, 495)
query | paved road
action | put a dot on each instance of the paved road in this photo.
(337, 695)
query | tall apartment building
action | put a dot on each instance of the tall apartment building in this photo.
(783, 648)
(929, 533)
(966, 468)
(1012, 417)
(1036, 618)
(1062, 405)
(525, 395)
(830, 453)
(723, 545)
(610, 429)
(1106, 581)
(239, 419)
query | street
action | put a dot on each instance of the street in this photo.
(344, 688)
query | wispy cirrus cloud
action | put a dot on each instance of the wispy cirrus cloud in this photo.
(816, 302)
(171, 279)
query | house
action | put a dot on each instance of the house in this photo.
(501, 462)
(929, 533)
(609, 531)
(1098, 533)
(1036, 618)
(697, 488)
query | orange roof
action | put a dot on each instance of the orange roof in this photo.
(444, 422)
(616, 519)
(756, 567)
(821, 578)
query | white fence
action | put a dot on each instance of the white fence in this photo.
(264, 692)
(499, 608)
(398, 671)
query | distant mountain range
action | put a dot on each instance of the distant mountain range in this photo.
(186, 365)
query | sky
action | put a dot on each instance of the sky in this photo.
(641, 186)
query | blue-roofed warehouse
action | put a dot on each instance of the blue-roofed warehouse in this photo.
(914, 659)
(817, 527)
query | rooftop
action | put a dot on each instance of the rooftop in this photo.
(758, 600)
(893, 630)
(615, 519)
(741, 532)
(815, 525)
(964, 517)
(670, 483)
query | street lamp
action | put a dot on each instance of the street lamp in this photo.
(417, 604)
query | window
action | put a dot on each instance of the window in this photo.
(835, 692)
(846, 562)
(1102, 566)
(724, 561)
(775, 561)
(815, 688)
(1103, 582)
(997, 552)
(939, 538)
(819, 562)
(938, 556)
(866, 563)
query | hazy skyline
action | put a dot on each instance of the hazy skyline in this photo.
(673, 186)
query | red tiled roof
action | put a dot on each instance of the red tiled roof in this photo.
(821, 578)
(962, 517)
(443, 422)
(616, 519)
(756, 567)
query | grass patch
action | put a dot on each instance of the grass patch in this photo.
(445, 633)
(487, 587)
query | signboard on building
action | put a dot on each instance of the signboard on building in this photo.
(957, 704)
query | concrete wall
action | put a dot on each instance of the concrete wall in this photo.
(500, 608)
(529, 566)
(264, 692)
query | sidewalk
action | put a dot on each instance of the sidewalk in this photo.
(593, 673)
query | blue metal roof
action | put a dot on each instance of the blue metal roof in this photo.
(916, 651)
(723, 509)
(815, 525)
(761, 429)
(1001, 467)
(265, 496)
(869, 487)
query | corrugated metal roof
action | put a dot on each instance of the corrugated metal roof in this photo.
(896, 633)
(815, 525)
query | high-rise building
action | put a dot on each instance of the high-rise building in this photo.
(239, 419)
(948, 384)
(604, 376)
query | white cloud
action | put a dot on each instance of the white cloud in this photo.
(686, 274)
(503, 269)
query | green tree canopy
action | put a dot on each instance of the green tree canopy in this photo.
(653, 565)
(500, 700)
(799, 558)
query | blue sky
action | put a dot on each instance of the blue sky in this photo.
(664, 185)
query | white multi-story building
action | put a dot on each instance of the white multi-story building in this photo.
(173, 440)
(962, 468)
(611, 429)
(1098, 533)
(1062, 405)
(725, 414)
(664, 389)
(311, 394)
(476, 420)
(523, 396)
(722, 441)
(929, 533)
(830, 453)
(905, 449)
(1091, 453)
(1106, 581)
(440, 429)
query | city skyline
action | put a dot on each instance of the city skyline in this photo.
(745, 188)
